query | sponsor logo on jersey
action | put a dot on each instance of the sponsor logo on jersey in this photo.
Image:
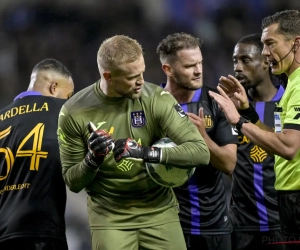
(277, 122)
(138, 119)
(297, 109)
(179, 110)
(99, 124)
(234, 131)
(62, 138)
(208, 121)
(276, 116)
(297, 116)
(242, 138)
(257, 154)
(109, 131)
(165, 92)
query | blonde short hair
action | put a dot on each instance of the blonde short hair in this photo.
(118, 50)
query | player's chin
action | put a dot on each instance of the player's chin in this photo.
(276, 71)
(245, 84)
(135, 95)
(194, 85)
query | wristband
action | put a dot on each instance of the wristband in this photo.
(249, 113)
(240, 123)
(152, 154)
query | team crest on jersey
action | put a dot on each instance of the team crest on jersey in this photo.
(138, 119)
(208, 121)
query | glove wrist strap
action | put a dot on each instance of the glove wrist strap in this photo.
(92, 162)
(152, 154)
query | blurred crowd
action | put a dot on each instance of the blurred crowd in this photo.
(72, 30)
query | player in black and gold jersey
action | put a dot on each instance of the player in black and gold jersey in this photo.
(254, 212)
(32, 190)
(203, 208)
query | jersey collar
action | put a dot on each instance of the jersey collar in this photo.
(278, 94)
(196, 96)
(293, 76)
(27, 93)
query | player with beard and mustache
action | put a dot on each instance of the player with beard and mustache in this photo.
(281, 39)
(254, 210)
(203, 207)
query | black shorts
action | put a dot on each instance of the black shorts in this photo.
(34, 244)
(289, 213)
(272, 240)
(208, 242)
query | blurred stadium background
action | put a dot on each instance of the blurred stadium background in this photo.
(72, 30)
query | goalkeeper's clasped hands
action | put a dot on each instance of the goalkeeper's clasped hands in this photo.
(100, 143)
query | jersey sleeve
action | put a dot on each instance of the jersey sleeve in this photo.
(192, 150)
(292, 118)
(72, 149)
(224, 133)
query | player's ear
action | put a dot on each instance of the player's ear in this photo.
(296, 44)
(53, 88)
(167, 69)
(107, 76)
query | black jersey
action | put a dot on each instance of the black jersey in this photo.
(32, 190)
(203, 208)
(254, 198)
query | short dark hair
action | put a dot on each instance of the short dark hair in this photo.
(52, 64)
(288, 23)
(254, 39)
(175, 42)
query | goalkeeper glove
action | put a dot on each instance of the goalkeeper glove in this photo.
(130, 149)
(99, 144)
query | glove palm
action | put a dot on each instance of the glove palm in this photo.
(100, 143)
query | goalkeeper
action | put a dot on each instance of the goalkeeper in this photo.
(126, 209)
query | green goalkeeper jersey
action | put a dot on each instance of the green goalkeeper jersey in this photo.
(122, 195)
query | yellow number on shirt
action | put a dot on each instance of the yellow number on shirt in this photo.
(9, 157)
(35, 152)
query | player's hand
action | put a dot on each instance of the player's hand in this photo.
(99, 144)
(226, 105)
(234, 90)
(128, 148)
(199, 121)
